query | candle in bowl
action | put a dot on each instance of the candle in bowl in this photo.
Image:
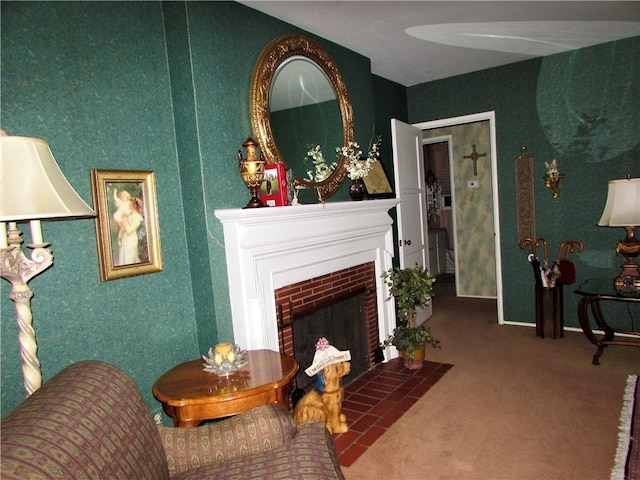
(223, 348)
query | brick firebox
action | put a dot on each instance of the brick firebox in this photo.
(326, 288)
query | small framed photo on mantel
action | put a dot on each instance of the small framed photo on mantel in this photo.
(274, 191)
(127, 230)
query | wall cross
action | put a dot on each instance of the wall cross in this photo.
(475, 156)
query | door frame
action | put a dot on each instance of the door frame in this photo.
(448, 139)
(461, 120)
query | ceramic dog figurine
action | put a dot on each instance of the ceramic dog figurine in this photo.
(324, 402)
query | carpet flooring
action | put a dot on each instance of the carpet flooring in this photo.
(377, 399)
(514, 406)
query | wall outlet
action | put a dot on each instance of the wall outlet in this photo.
(472, 184)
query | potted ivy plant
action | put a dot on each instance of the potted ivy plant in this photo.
(412, 288)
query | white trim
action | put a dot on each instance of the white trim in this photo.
(269, 248)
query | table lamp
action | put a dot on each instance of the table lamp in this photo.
(32, 188)
(623, 210)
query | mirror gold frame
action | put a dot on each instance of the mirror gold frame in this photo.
(275, 54)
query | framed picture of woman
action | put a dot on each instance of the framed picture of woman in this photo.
(127, 231)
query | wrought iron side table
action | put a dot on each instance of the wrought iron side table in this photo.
(593, 292)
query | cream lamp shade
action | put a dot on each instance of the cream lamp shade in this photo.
(623, 204)
(32, 186)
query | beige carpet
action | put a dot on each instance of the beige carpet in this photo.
(514, 406)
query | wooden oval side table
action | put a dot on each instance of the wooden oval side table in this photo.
(191, 395)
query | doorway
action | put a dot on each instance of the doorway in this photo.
(476, 225)
(440, 213)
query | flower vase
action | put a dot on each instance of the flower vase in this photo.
(357, 189)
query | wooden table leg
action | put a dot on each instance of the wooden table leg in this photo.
(186, 423)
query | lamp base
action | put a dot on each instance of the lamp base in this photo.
(18, 269)
(628, 282)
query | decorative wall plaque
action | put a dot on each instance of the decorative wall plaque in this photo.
(525, 195)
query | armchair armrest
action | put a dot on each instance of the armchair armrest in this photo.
(258, 430)
(310, 455)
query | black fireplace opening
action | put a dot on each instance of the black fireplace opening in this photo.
(342, 321)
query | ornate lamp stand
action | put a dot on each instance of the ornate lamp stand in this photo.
(18, 269)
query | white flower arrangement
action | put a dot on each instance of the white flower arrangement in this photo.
(357, 168)
(322, 171)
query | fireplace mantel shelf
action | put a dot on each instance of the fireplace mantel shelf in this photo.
(304, 212)
(269, 248)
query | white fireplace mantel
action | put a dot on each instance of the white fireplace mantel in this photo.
(269, 248)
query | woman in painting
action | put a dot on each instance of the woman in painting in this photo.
(128, 245)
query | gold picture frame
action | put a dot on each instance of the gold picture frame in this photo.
(127, 231)
(377, 182)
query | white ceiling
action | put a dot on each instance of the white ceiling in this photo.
(416, 42)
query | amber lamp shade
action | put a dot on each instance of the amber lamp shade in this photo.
(251, 171)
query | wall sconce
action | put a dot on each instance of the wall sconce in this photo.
(623, 210)
(251, 171)
(553, 177)
(33, 188)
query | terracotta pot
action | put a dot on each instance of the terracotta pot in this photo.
(418, 358)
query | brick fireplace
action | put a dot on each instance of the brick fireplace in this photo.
(331, 248)
(330, 290)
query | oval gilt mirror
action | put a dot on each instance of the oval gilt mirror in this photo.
(298, 98)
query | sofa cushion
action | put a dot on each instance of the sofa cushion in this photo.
(260, 429)
(88, 422)
(310, 455)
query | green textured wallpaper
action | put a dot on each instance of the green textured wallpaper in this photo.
(139, 85)
(165, 86)
(390, 102)
(92, 80)
(219, 34)
(579, 107)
